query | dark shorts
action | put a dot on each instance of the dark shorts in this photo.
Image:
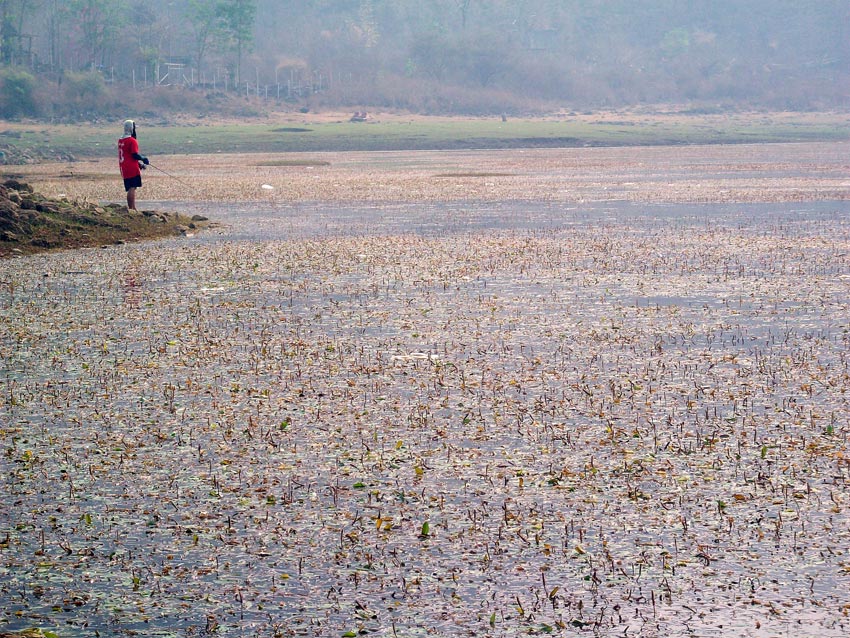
(133, 182)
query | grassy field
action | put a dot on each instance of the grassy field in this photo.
(333, 132)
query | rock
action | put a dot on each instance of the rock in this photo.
(199, 218)
(9, 215)
(6, 235)
(18, 186)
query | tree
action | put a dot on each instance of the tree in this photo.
(237, 26)
(205, 20)
(98, 22)
(15, 45)
(57, 15)
(463, 7)
(366, 25)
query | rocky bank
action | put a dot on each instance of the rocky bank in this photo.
(30, 222)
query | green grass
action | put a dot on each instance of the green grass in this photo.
(422, 133)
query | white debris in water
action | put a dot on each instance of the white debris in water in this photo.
(415, 355)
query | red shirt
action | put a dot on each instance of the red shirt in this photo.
(129, 166)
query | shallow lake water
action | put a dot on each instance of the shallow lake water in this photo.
(252, 221)
(444, 419)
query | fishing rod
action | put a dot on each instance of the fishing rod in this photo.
(175, 178)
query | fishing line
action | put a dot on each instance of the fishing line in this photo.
(177, 179)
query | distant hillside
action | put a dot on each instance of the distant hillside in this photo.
(430, 56)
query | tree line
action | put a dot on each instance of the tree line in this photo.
(437, 55)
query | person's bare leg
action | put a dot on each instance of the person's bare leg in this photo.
(131, 198)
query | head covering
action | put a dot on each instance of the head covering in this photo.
(129, 125)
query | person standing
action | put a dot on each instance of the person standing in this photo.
(131, 162)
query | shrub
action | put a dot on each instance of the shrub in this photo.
(84, 91)
(17, 94)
